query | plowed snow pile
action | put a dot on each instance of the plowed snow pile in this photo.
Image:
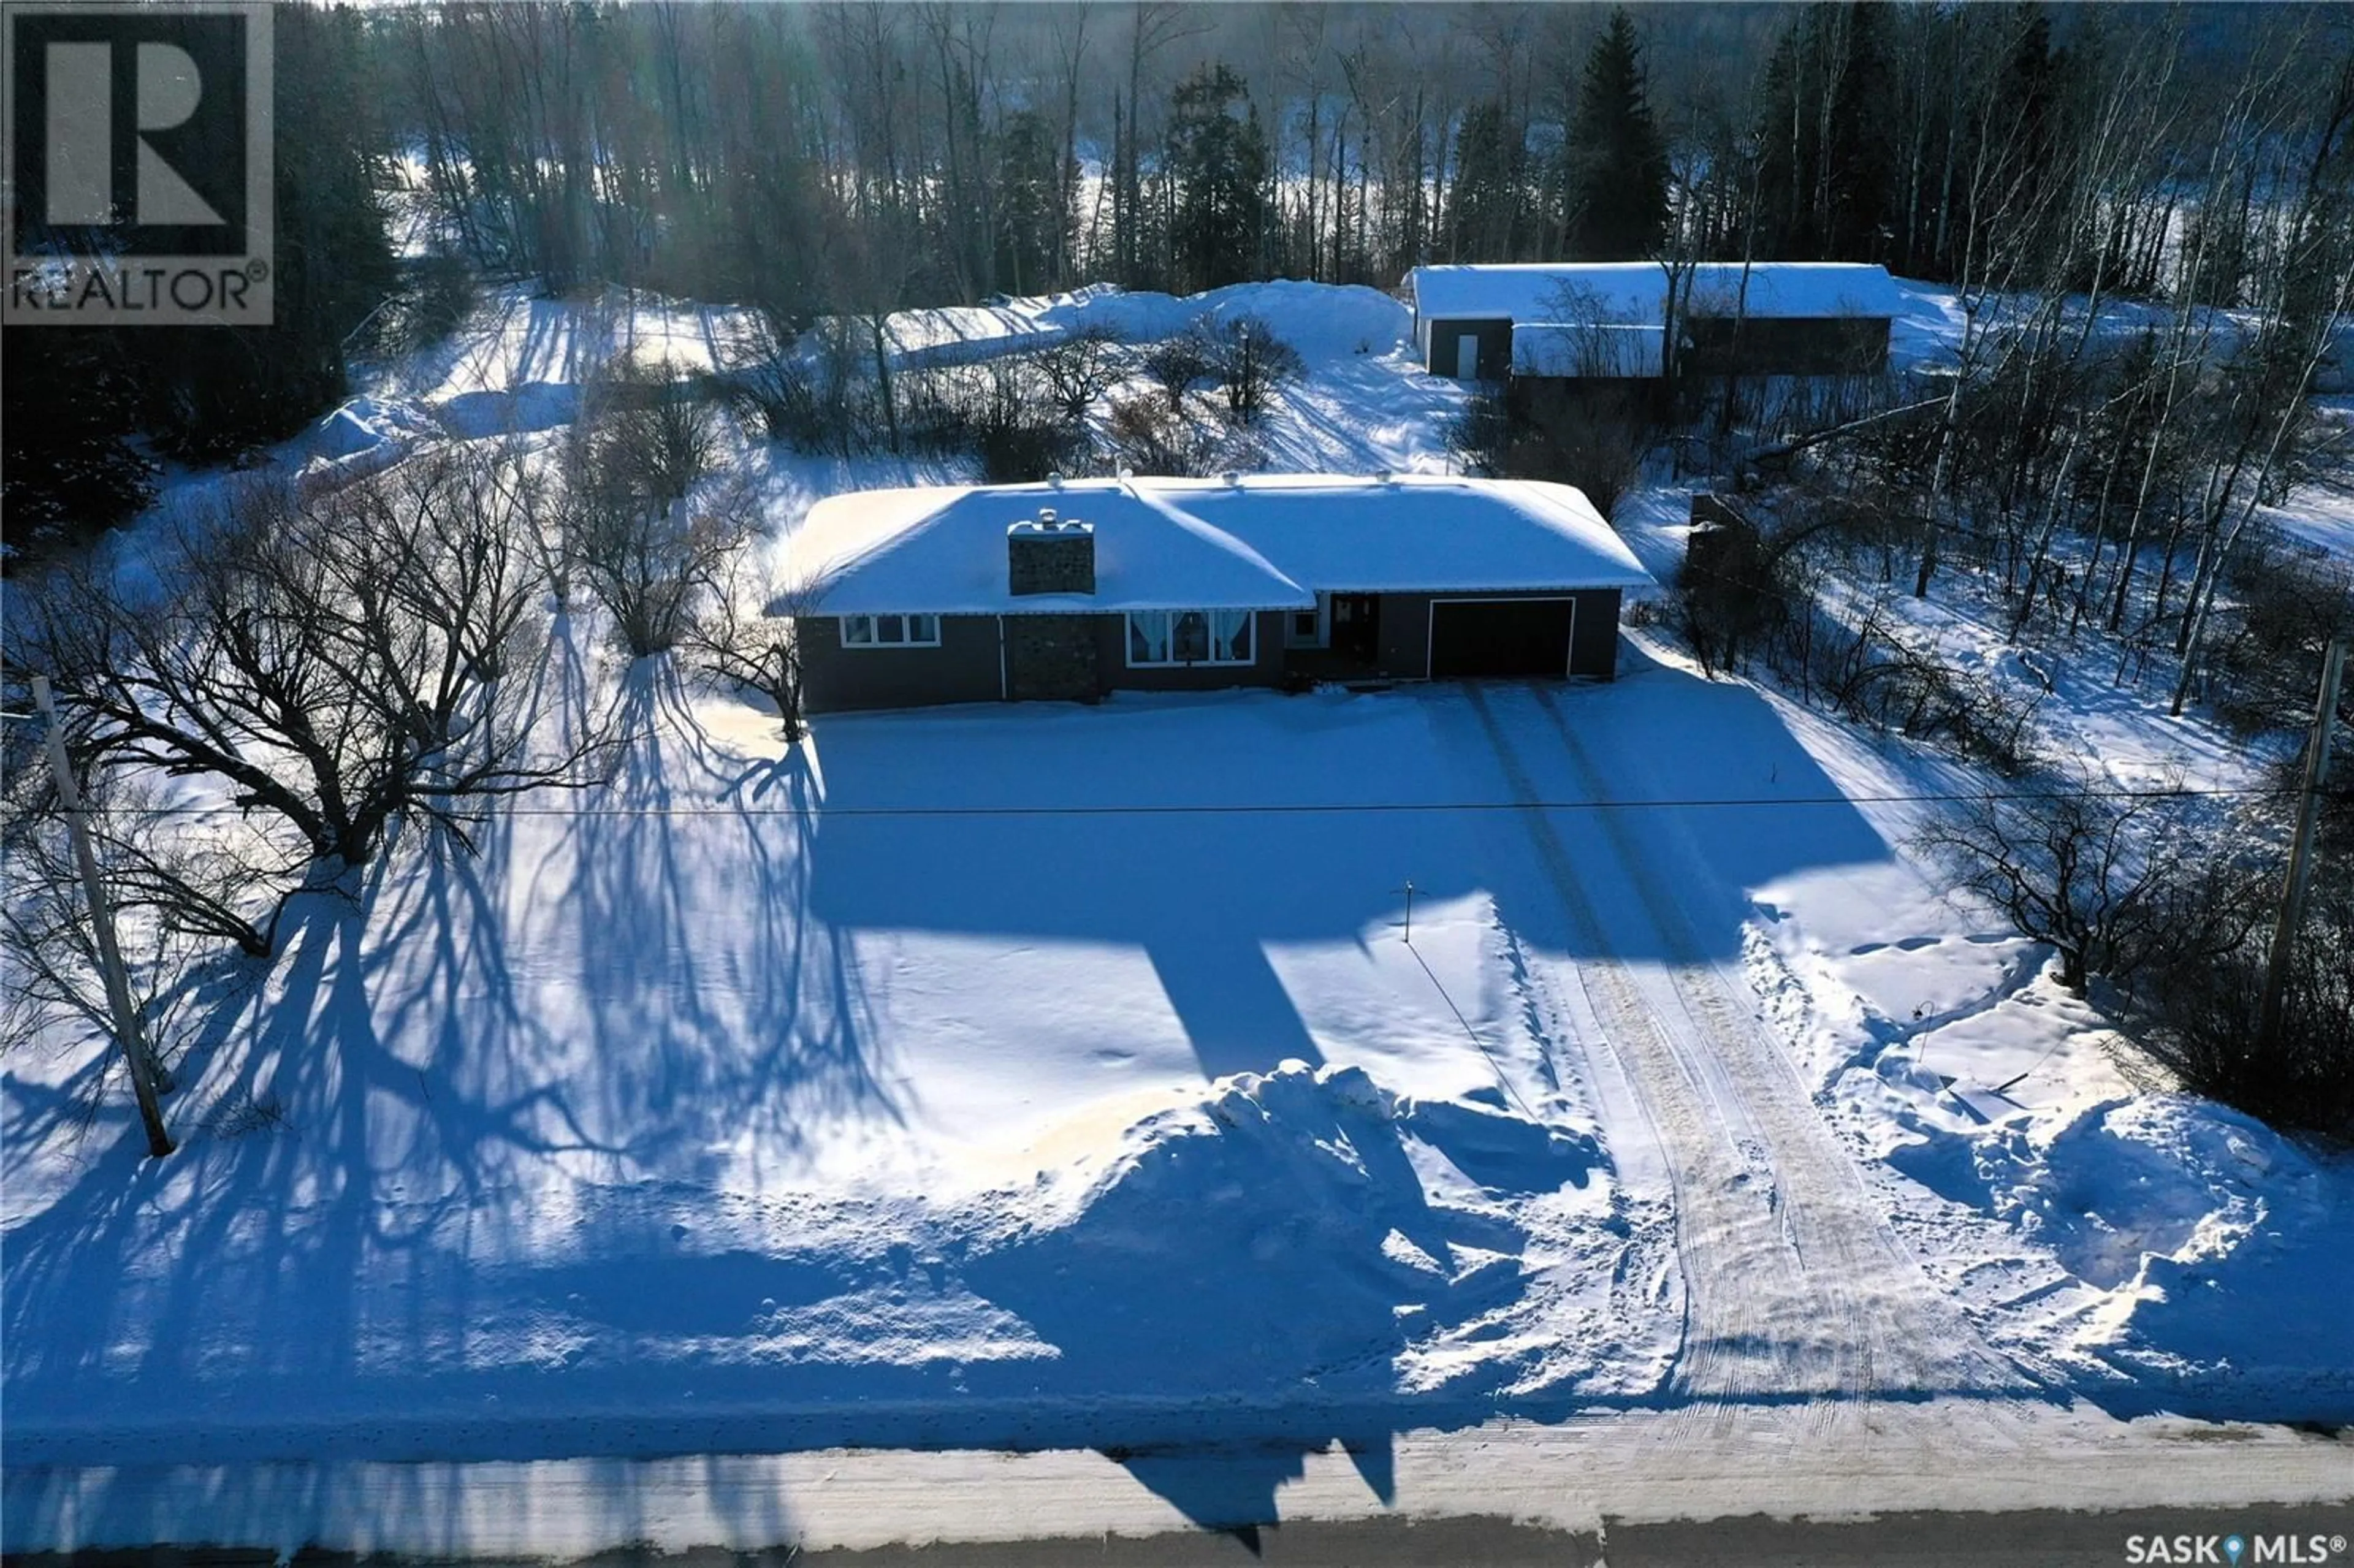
(1305, 1234)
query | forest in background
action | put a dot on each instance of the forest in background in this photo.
(858, 158)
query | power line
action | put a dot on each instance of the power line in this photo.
(1322, 807)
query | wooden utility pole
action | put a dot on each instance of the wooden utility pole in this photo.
(2300, 853)
(102, 922)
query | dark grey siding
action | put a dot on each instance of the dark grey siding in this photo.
(966, 667)
(1554, 401)
(962, 669)
(1495, 346)
(1594, 647)
(1266, 667)
(1405, 629)
(1826, 345)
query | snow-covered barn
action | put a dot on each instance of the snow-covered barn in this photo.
(944, 594)
(1608, 320)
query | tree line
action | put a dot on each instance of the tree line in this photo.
(858, 157)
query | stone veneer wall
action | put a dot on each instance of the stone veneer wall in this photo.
(1060, 562)
(1052, 657)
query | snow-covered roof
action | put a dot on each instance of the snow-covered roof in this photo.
(1601, 349)
(1260, 542)
(1634, 293)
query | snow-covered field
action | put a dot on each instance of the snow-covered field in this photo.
(1049, 1076)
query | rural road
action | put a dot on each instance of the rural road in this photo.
(2012, 1482)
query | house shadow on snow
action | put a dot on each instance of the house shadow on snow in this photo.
(1207, 830)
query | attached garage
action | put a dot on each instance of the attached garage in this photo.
(1501, 637)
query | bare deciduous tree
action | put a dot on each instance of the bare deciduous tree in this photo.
(637, 534)
(1180, 363)
(337, 663)
(747, 635)
(1080, 366)
(1249, 361)
(2076, 864)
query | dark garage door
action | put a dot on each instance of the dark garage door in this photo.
(1500, 636)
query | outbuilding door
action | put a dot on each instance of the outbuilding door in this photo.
(1472, 637)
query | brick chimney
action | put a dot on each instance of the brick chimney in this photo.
(1046, 554)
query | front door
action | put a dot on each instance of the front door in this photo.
(1356, 626)
(1466, 357)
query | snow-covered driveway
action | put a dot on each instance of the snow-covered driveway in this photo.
(1793, 1284)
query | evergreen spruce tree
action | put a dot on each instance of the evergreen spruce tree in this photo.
(1219, 167)
(1858, 175)
(68, 411)
(1823, 179)
(1034, 230)
(1489, 193)
(1782, 218)
(1616, 185)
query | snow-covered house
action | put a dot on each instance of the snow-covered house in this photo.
(904, 597)
(1608, 320)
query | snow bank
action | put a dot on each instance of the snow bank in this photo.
(1305, 1234)
(2200, 1250)
(361, 424)
(1321, 320)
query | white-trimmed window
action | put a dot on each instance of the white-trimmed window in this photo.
(890, 632)
(1188, 637)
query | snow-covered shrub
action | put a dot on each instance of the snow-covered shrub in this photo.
(1001, 413)
(1479, 437)
(2071, 864)
(1732, 592)
(1180, 363)
(1146, 437)
(1248, 360)
(442, 297)
(815, 394)
(636, 533)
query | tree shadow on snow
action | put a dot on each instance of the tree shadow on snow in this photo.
(435, 1057)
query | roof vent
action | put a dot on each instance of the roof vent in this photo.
(1056, 479)
(1234, 477)
(1126, 471)
(1382, 476)
(1046, 517)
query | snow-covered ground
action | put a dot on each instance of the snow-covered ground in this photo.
(1047, 1076)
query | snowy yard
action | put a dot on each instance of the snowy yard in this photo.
(1064, 1075)
(1057, 1075)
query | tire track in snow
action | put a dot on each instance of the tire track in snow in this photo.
(1794, 1285)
